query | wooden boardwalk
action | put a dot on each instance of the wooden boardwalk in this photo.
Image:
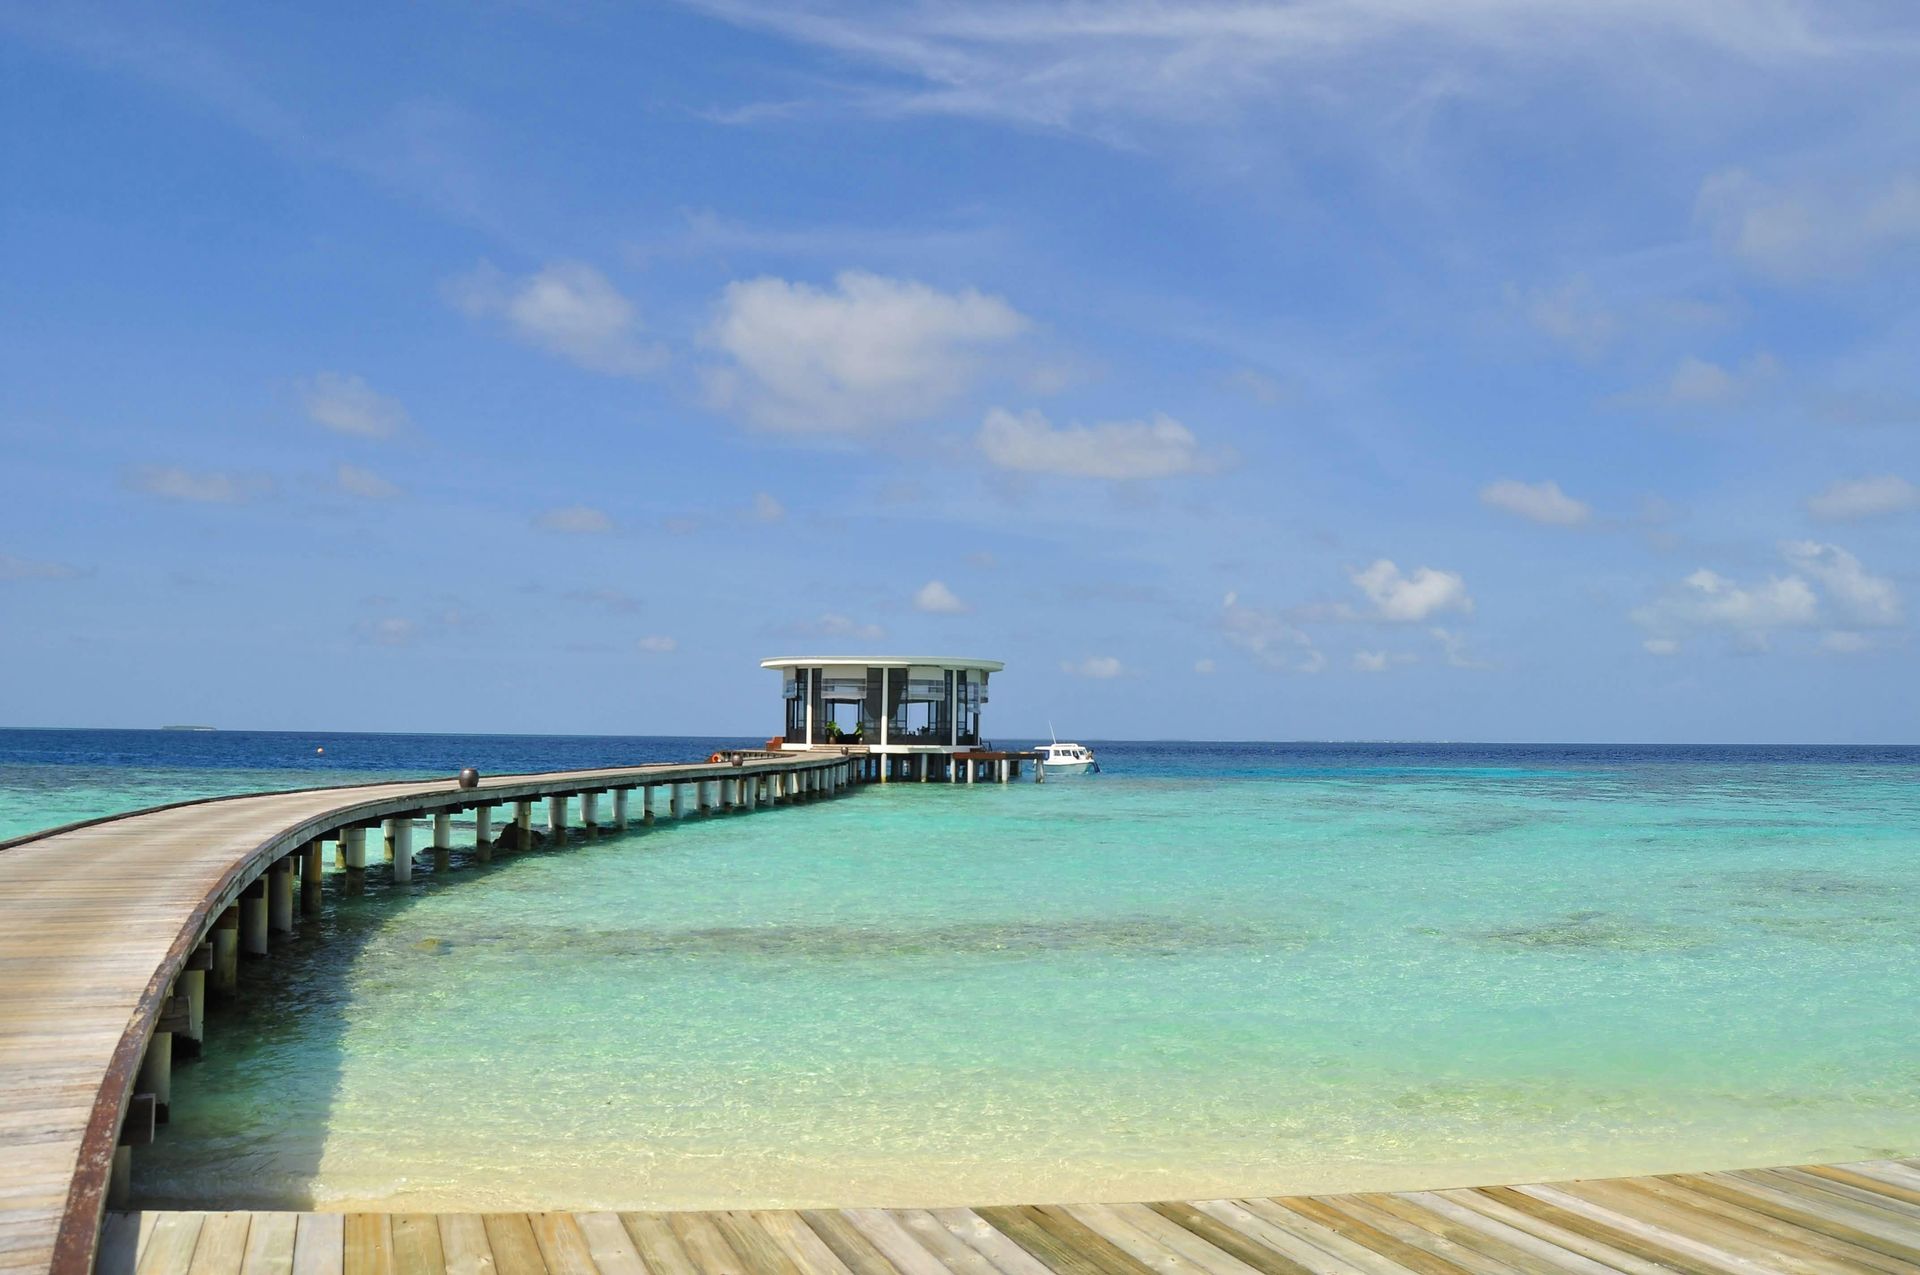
(1813, 1220)
(99, 920)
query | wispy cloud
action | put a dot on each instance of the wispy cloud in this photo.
(1855, 498)
(578, 520)
(935, 598)
(364, 483)
(348, 405)
(1813, 230)
(656, 644)
(198, 487)
(1120, 451)
(1541, 502)
(1097, 667)
(1825, 586)
(16, 568)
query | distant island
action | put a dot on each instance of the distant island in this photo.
(189, 728)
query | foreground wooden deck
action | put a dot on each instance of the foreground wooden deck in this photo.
(1812, 1219)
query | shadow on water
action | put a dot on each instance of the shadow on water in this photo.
(250, 1117)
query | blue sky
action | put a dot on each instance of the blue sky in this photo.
(1463, 369)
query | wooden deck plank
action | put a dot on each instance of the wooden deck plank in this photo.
(852, 1248)
(746, 1237)
(1650, 1255)
(416, 1245)
(658, 1247)
(989, 1241)
(803, 1247)
(1266, 1258)
(1676, 1244)
(1878, 1183)
(270, 1244)
(948, 1248)
(1361, 1232)
(1808, 1207)
(705, 1245)
(222, 1245)
(908, 1255)
(1797, 1184)
(1413, 1236)
(464, 1244)
(612, 1248)
(1751, 1214)
(319, 1244)
(515, 1250)
(1500, 1239)
(562, 1245)
(367, 1244)
(1694, 1220)
(169, 1247)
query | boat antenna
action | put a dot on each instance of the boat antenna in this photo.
(1055, 738)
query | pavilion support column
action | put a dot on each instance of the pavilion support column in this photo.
(353, 849)
(676, 801)
(703, 797)
(156, 1074)
(973, 769)
(557, 819)
(311, 880)
(483, 833)
(280, 897)
(226, 952)
(620, 808)
(646, 805)
(1002, 764)
(590, 813)
(729, 794)
(749, 791)
(253, 919)
(523, 824)
(443, 830)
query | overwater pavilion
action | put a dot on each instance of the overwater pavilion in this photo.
(917, 714)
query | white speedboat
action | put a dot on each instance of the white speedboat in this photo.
(1067, 759)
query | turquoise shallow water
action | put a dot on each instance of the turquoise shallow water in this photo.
(1210, 970)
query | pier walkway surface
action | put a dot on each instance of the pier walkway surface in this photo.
(1815, 1219)
(101, 922)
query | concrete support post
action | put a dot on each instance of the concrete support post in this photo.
(482, 827)
(620, 808)
(557, 819)
(703, 797)
(253, 920)
(353, 848)
(156, 1074)
(280, 897)
(400, 837)
(522, 824)
(310, 880)
(677, 800)
(749, 791)
(226, 952)
(646, 805)
(193, 985)
(972, 770)
(590, 812)
(120, 1179)
(729, 794)
(443, 830)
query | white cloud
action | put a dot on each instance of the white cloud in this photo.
(1857, 498)
(393, 630)
(657, 644)
(202, 487)
(1268, 638)
(1661, 646)
(1404, 598)
(568, 309)
(766, 508)
(1569, 314)
(580, 520)
(1453, 648)
(1859, 597)
(1116, 450)
(1816, 230)
(348, 405)
(364, 483)
(1541, 502)
(1379, 661)
(1203, 667)
(13, 568)
(1708, 600)
(1698, 382)
(1099, 667)
(868, 352)
(936, 598)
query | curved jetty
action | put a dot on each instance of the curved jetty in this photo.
(113, 931)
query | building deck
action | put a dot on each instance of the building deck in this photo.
(1822, 1219)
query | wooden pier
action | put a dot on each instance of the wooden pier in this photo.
(114, 932)
(1811, 1220)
